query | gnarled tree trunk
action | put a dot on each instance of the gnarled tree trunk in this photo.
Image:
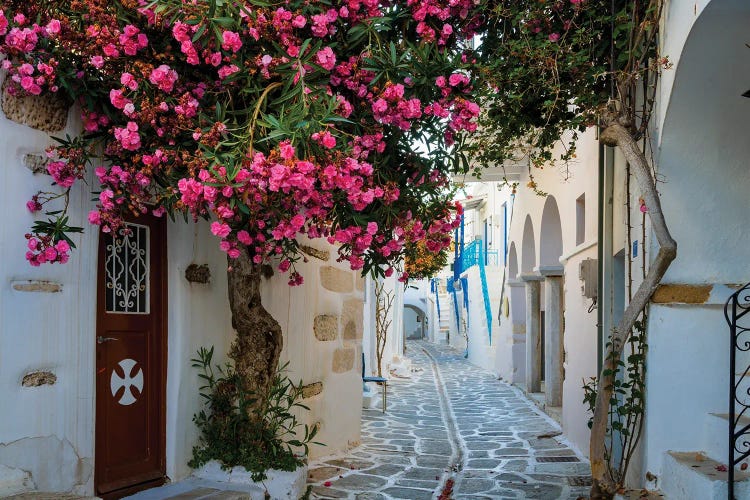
(257, 348)
(615, 134)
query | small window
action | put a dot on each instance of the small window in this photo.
(581, 219)
(127, 270)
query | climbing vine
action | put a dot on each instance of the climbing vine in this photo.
(627, 405)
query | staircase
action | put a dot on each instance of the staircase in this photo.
(702, 474)
(708, 473)
(445, 315)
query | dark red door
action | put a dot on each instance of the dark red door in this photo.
(131, 358)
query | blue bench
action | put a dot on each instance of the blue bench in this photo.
(378, 380)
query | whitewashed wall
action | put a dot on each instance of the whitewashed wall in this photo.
(47, 433)
(703, 159)
(580, 342)
(47, 430)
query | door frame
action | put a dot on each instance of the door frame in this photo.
(158, 268)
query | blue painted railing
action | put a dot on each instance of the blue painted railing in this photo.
(474, 254)
(485, 292)
(434, 285)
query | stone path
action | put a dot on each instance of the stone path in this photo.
(453, 421)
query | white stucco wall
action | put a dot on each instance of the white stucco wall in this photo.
(579, 338)
(198, 316)
(703, 159)
(48, 431)
(45, 331)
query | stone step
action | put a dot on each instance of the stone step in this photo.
(716, 437)
(695, 476)
(640, 495)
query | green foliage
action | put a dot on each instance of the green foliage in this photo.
(627, 405)
(555, 68)
(238, 430)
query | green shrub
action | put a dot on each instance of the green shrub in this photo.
(238, 430)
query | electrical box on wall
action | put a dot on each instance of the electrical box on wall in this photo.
(588, 273)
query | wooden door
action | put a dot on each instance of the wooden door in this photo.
(131, 359)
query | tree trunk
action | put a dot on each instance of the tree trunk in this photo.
(603, 486)
(257, 348)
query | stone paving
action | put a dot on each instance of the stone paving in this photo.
(452, 420)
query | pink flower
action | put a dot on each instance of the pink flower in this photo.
(110, 50)
(554, 37)
(3, 23)
(97, 62)
(129, 81)
(33, 205)
(53, 27)
(117, 99)
(326, 58)
(95, 217)
(286, 150)
(231, 41)
(244, 237)
(163, 77)
(128, 137)
(221, 230)
(225, 71)
(62, 246)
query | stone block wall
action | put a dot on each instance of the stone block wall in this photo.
(323, 326)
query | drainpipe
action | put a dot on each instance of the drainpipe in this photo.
(605, 239)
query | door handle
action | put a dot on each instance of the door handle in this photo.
(101, 340)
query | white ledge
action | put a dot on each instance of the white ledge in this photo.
(580, 248)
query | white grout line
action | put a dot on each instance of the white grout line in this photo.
(458, 457)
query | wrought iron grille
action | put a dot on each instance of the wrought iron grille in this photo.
(127, 269)
(736, 313)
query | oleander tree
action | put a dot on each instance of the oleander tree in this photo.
(552, 69)
(276, 121)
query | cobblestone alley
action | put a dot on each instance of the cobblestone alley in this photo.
(453, 421)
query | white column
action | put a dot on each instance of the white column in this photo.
(553, 334)
(533, 333)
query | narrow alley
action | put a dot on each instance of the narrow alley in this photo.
(453, 426)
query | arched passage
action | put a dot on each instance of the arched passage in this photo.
(533, 326)
(414, 322)
(550, 238)
(512, 261)
(528, 247)
(705, 149)
(517, 313)
(550, 251)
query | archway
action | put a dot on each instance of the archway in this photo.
(532, 282)
(414, 322)
(528, 247)
(703, 161)
(550, 251)
(550, 238)
(517, 317)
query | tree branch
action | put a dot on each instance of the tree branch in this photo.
(617, 135)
